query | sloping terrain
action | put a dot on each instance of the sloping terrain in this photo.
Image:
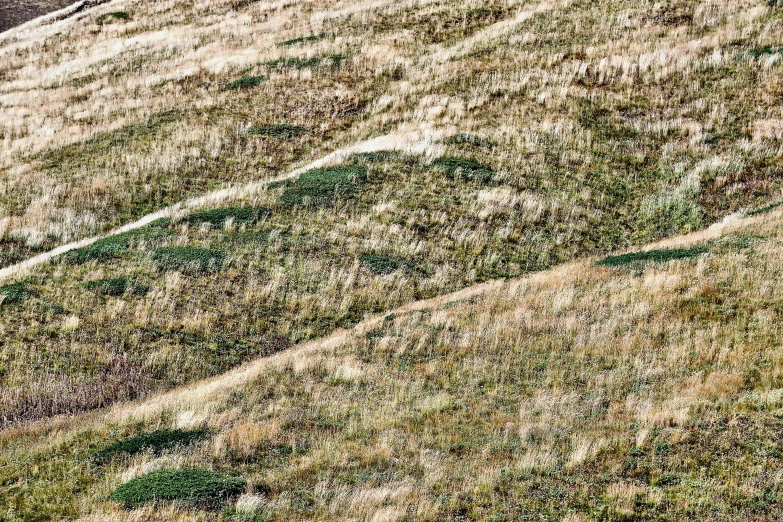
(644, 386)
(189, 186)
(462, 143)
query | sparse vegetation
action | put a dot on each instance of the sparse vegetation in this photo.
(194, 487)
(764, 210)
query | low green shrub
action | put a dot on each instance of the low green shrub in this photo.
(116, 286)
(14, 293)
(218, 216)
(383, 265)
(464, 169)
(321, 186)
(244, 82)
(302, 39)
(189, 259)
(278, 130)
(154, 441)
(194, 487)
(764, 210)
(655, 256)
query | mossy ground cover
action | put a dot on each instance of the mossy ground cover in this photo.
(195, 487)
(322, 186)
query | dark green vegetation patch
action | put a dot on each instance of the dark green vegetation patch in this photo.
(117, 15)
(115, 246)
(464, 169)
(14, 293)
(302, 40)
(154, 441)
(382, 264)
(218, 216)
(760, 52)
(189, 259)
(306, 63)
(244, 82)
(322, 186)
(279, 130)
(764, 210)
(655, 256)
(116, 286)
(195, 487)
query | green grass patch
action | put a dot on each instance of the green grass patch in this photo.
(278, 130)
(381, 156)
(116, 286)
(14, 293)
(464, 169)
(468, 139)
(653, 256)
(321, 186)
(193, 487)
(244, 82)
(334, 61)
(189, 259)
(117, 15)
(115, 246)
(383, 265)
(154, 441)
(302, 40)
(763, 210)
(218, 216)
(759, 52)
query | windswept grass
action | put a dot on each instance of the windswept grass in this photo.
(244, 82)
(764, 210)
(303, 40)
(116, 287)
(464, 169)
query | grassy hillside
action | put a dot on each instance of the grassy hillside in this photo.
(523, 135)
(634, 387)
(313, 166)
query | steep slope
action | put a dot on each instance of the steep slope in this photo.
(523, 135)
(640, 386)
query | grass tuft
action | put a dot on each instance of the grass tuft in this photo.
(655, 256)
(194, 487)
(278, 130)
(464, 169)
(154, 441)
(244, 82)
(218, 216)
(189, 259)
(322, 186)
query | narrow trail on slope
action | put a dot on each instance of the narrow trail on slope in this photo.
(201, 394)
(414, 142)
